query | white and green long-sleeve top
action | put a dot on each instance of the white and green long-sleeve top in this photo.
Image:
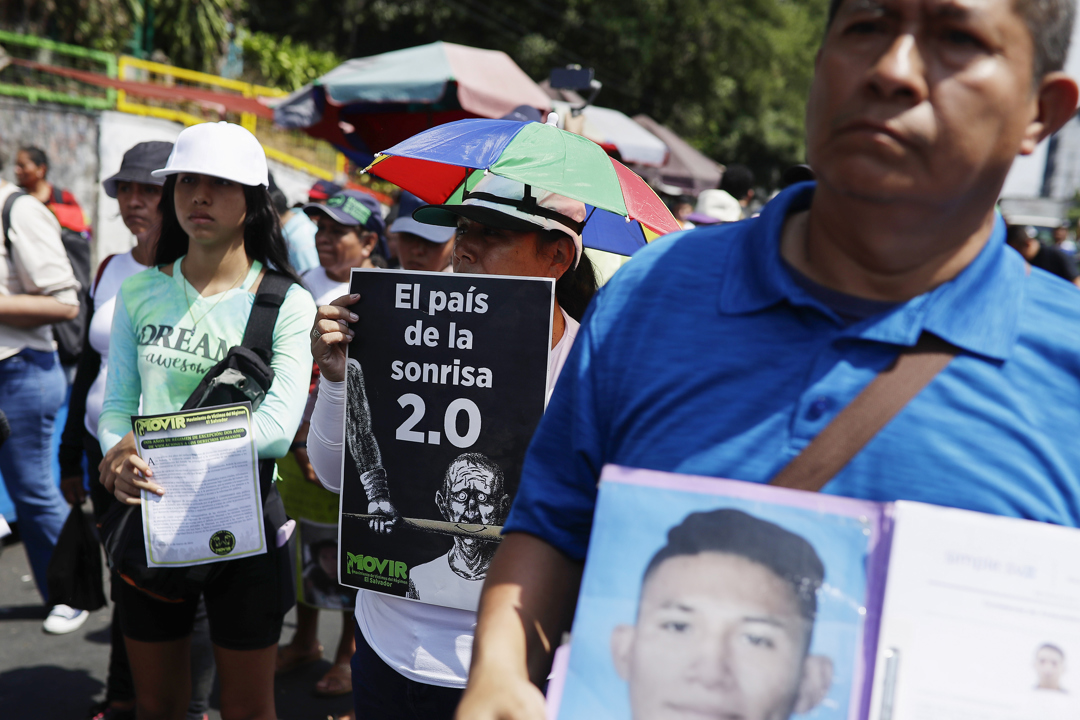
(160, 349)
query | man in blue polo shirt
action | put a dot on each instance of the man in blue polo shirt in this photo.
(725, 351)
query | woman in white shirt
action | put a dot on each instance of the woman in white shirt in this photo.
(138, 194)
(412, 658)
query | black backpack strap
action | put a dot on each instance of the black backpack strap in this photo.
(57, 195)
(259, 334)
(7, 218)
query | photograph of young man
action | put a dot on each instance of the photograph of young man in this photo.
(724, 624)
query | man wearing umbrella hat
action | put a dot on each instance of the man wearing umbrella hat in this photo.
(411, 659)
(726, 351)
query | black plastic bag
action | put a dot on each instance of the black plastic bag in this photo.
(74, 573)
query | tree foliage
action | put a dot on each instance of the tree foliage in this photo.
(193, 33)
(283, 63)
(96, 24)
(730, 76)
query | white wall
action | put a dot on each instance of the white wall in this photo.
(118, 133)
(1026, 177)
(294, 183)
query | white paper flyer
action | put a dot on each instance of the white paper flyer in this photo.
(207, 461)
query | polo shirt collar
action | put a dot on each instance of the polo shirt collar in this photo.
(978, 310)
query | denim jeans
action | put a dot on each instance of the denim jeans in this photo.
(32, 389)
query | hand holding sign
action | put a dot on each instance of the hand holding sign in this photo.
(385, 515)
(331, 335)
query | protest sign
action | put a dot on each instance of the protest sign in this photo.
(445, 385)
(693, 586)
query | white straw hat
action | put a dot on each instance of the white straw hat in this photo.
(220, 149)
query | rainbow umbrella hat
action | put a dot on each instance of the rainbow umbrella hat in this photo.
(440, 164)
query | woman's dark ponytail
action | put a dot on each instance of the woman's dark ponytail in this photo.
(263, 239)
(577, 285)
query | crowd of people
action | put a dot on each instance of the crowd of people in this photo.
(722, 351)
(209, 223)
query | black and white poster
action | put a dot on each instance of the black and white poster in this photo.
(445, 385)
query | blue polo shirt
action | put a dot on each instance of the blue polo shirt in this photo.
(704, 356)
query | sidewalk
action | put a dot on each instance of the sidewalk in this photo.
(58, 677)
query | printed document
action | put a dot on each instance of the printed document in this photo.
(207, 462)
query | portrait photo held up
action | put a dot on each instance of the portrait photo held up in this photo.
(705, 598)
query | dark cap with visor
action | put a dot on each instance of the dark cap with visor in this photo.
(407, 205)
(323, 189)
(137, 165)
(353, 209)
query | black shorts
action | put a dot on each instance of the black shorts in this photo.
(246, 605)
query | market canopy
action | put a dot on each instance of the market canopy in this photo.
(614, 131)
(686, 170)
(369, 104)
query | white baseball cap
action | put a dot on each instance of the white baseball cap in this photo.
(220, 149)
(510, 205)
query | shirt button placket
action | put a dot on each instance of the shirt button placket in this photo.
(818, 407)
(818, 404)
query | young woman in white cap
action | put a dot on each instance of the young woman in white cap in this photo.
(411, 658)
(172, 323)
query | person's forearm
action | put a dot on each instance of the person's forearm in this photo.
(527, 604)
(325, 434)
(30, 311)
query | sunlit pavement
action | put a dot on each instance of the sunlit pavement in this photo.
(58, 677)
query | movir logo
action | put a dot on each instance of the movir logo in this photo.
(160, 423)
(359, 564)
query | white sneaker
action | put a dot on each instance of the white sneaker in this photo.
(63, 619)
